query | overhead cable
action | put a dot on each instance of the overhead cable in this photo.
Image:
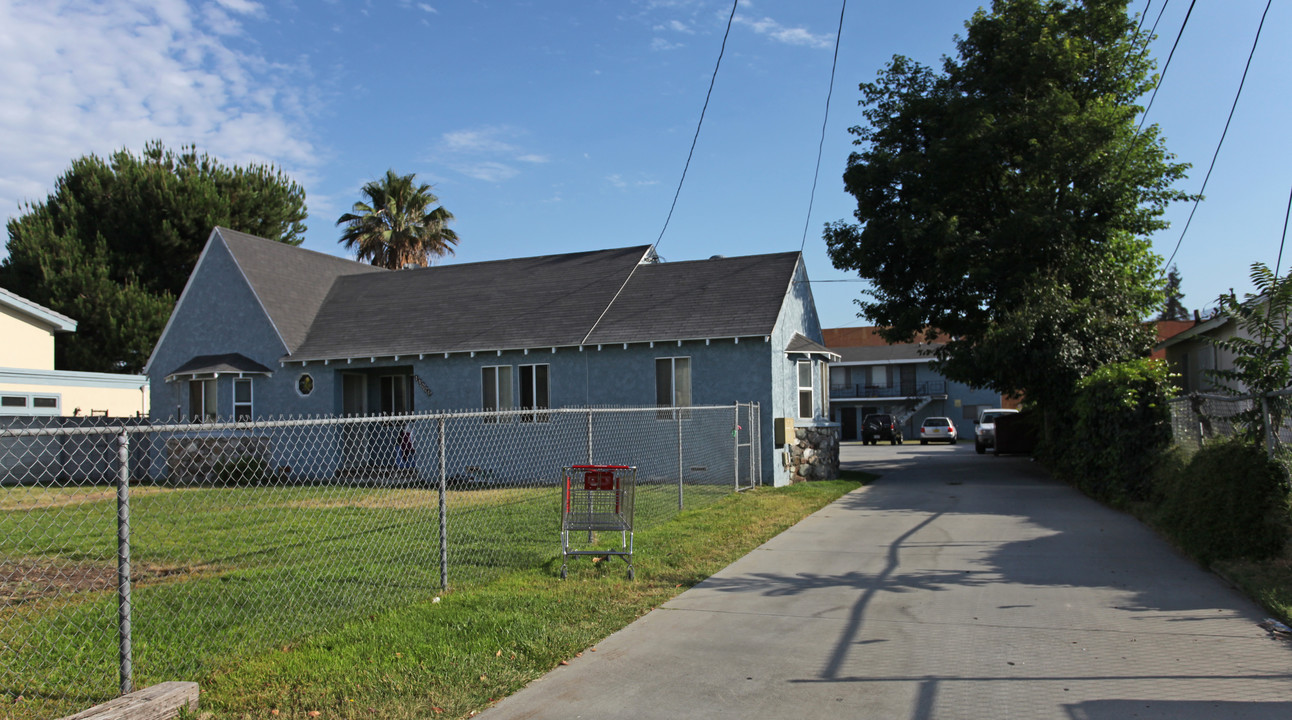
(1222, 134)
(824, 121)
(712, 80)
(1161, 78)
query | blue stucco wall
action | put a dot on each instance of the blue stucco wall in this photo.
(798, 315)
(217, 314)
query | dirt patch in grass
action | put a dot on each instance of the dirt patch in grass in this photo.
(29, 579)
(25, 580)
(33, 498)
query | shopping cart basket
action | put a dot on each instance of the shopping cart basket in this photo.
(598, 498)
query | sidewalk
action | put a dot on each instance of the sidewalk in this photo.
(957, 586)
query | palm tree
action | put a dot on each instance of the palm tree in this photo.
(400, 224)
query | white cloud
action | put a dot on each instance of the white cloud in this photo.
(87, 76)
(484, 153)
(660, 44)
(780, 33)
(427, 8)
(241, 7)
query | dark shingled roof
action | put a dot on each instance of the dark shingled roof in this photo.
(291, 282)
(721, 297)
(544, 301)
(326, 307)
(906, 352)
(226, 363)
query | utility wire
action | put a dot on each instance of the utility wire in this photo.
(655, 245)
(1162, 78)
(1147, 6)
(712, 80)
(1286, 213)
(1233, 107)
(824, 121)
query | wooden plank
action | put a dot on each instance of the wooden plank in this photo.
(159, 702)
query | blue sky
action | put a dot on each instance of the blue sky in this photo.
(560, 126)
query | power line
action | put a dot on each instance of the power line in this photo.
(821, 145)
(1162, 78)
(1215, 155)
(1148, 5)
(712, 80)
(1286, 213)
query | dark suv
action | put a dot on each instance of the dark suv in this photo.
(880, 426)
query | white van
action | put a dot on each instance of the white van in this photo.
(984, 432)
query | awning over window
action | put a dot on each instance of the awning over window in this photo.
(217, 365)
(800, 344)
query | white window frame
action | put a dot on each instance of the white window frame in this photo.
(28, 406)
(810, 389)
(209, 397)
(677, 396)
(300, 379)
(535, 400)
(249, 414)
(503, 391)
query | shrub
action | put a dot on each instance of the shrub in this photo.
(243, 470)
(1121, 428)
(1229, 502)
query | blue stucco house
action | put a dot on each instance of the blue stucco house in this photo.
(266, 329)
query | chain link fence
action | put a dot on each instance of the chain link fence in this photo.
(1198, 417)
(135, 553)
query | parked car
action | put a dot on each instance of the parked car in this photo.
(985, 428)
(938, 429)
(880, 426)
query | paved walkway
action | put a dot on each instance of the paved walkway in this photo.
(957, 586)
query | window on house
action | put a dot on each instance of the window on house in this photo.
(242, 400)
(396, 394)
(535, 392)
(495, 389)
(28, 404)
(201, 400)
(807, 404)
(672, 385)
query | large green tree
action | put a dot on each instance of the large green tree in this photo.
(115, 242)
(399, 225)
(1004, 203)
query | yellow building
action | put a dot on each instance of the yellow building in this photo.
(29, 384)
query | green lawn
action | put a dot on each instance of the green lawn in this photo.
(245, 582)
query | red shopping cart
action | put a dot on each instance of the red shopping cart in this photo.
(598, 498)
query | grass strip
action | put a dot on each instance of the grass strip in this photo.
(452, 657)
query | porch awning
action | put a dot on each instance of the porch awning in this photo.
(217, 365)
(800, 344)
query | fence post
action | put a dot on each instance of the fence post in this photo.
(123, 561)
(444, 520)
(756, 443)
(589, 436)
(678, 413)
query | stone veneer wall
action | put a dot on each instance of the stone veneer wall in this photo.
(814, 455)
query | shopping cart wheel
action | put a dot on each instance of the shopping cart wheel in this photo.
(632, 575)
(564, 572)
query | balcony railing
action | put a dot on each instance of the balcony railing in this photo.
(905, 389)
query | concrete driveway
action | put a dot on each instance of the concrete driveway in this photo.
(957, 586)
